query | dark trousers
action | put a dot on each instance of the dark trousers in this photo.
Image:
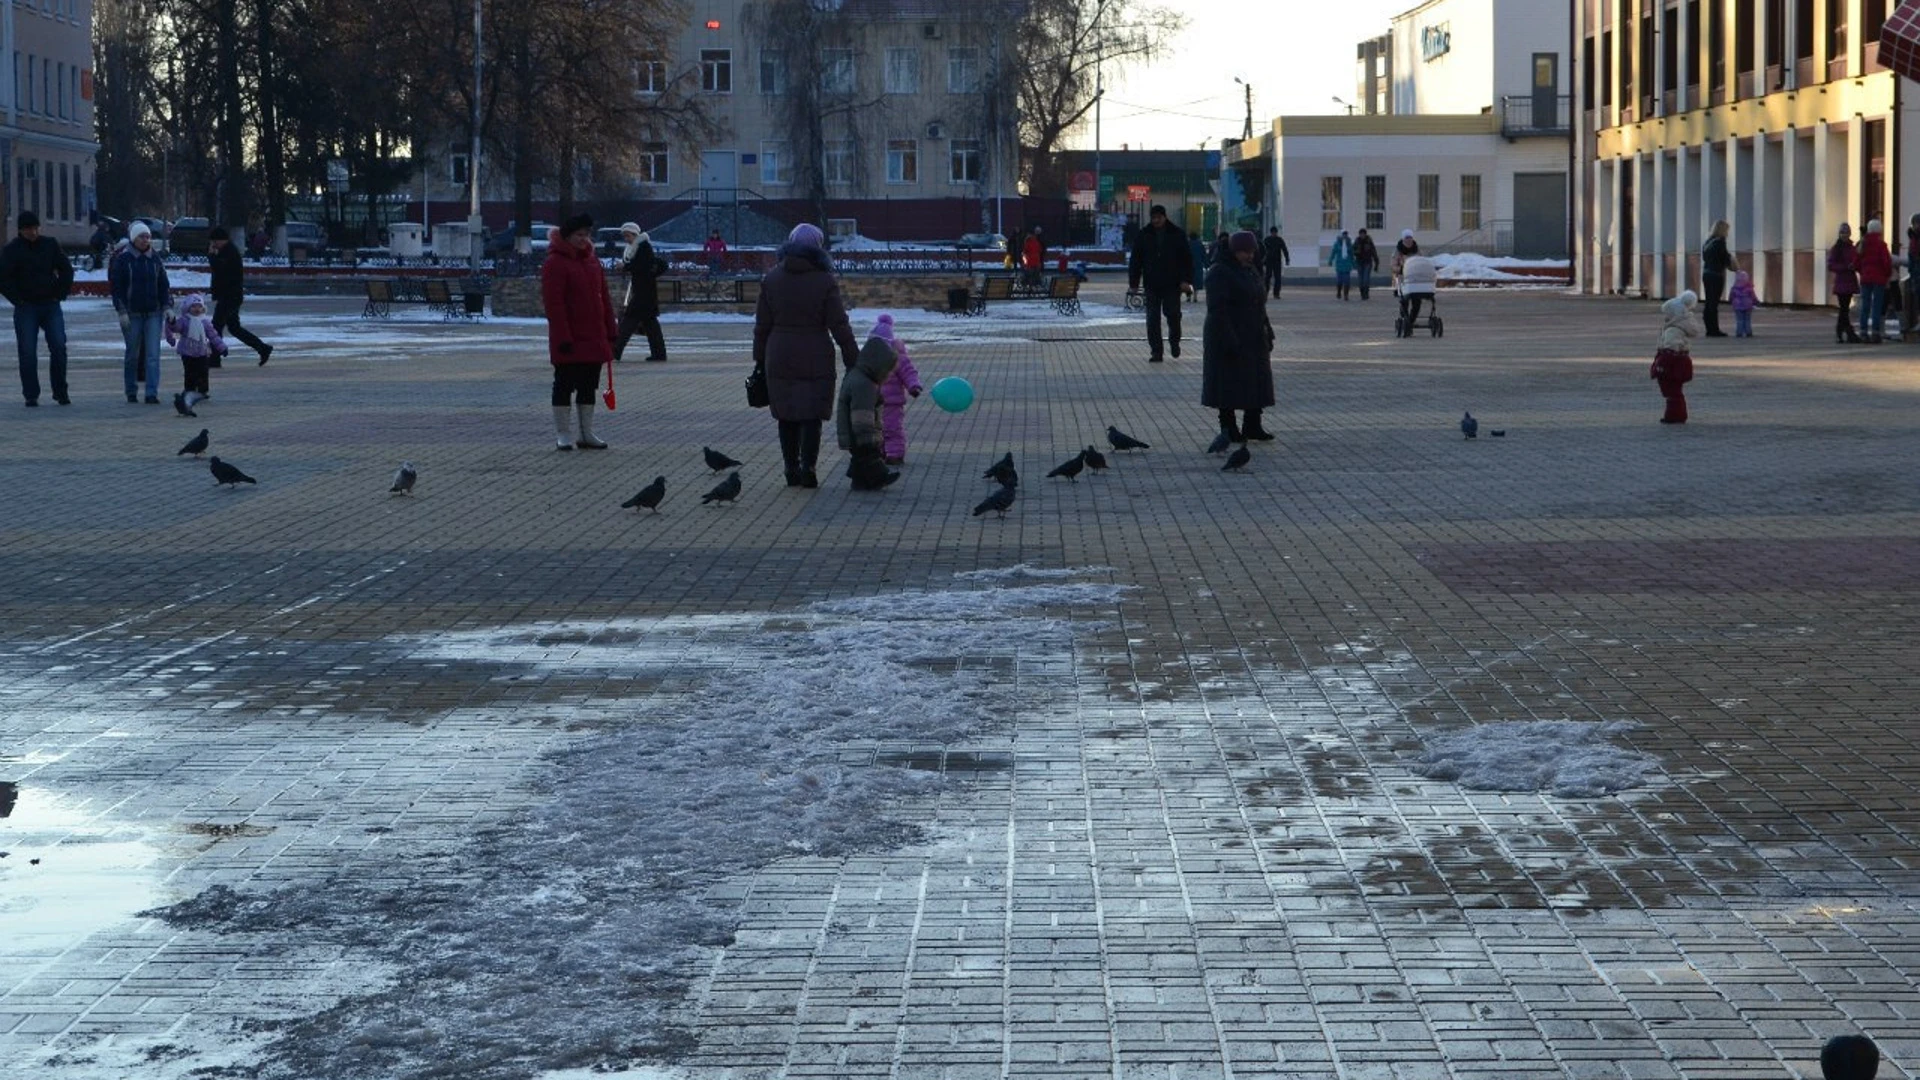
(1273, 280)
(632, 322)
(226, 319)
(1712, 288)
(800, 445)
(1161, 304)
(575, 384)
(29, 322)
(195, 368)
(1366, 281)
(1844, 325)
(1673, 389)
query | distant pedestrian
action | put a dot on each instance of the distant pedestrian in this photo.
(137, 281)
(716, 250)
(1160, 265)
(1032, 251)
(799, 323)
(1342, 261)
(1849, 1057)
(641, 311)
(197, 336)
(902, 384)
(1875, 265)
(1366, 260)
(1846, 283)
(35, 277)
(1274, 258)
(1673, 358)
(580, 329)
(229, 291)
(99, 242)
(1237, 343)
(1716, 262)
(1743, 301)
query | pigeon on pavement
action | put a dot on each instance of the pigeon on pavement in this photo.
(196, 445)
(1005, 473)
(994, 470)
(1120, 440)
(725, 491)
(648, 496)
(1095, 459)
(1001, 500)
(1469, 426)
(180, 405)
(1070, 468)
(1237, 460)
(718, 461)
(403, 479)
(1220, 443)
(224, 473)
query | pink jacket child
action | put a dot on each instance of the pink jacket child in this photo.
(902, 384)
(200, 347)
(1741, 295)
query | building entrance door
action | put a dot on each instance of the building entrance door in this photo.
(1546, 91)
(1540, 215)
(719, 175)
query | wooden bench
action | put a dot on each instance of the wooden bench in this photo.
(707, 290)
(984, 289)
(380, 299)
(1062, 291)
(438, 294)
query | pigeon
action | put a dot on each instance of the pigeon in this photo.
(1220, 443)
(718, 461)
(1469, 426)
(649, 496)
(403, 479)
(224, 473)
(1120, 440)
(994, 470)
(1070, 468)
(196, 445)
(1498, 433)
(725, 491)
(180, 405)
(1005, 473)
(1001, 500)
(1237, 460)
(1095, 459)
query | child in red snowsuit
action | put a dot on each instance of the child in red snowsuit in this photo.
(894, 392)
(1673, 362)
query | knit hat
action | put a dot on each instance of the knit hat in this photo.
(29, 220)
(1873, 226)
(1689, 298)
(807, 235)
(576, 223)
(883, 328)
(139, 229)
(191, 301)
(1406, 234)
(1846, 229)
(628, 228)
(1243, 241)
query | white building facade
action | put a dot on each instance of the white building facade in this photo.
(47, 145)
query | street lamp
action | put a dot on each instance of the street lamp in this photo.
(1349, 105)
(1246, 133)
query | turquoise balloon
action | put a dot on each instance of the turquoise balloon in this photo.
(953, 394)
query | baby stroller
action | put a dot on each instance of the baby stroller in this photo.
(1416, 288)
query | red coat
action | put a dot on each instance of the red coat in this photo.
(1874, 261)
(573, 288)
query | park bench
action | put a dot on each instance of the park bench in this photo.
(467, 301)
(707, 290)
(1062, 291)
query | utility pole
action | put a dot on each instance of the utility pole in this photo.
(1247, 131)
(476, 232)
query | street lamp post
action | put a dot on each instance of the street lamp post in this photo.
(1246, 132)
(1349, 105)
(476, 235)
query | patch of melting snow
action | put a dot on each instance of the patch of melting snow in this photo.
(1568, 758)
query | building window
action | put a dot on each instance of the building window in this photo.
(650, 76)
(836, 162)
(459, 167)
(653, 163)
(903, 71)
(967, 158)
(963, 70)
(903, 161)
(1469, 202)
(1330, 202)
(66, 189)
(836, 71)
(1376, 203)
(716, 71)
(1429, 202)
(776, 163)
(773, 71)
(33, 64)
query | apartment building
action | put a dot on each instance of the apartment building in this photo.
(47, 145)
(1774, 115)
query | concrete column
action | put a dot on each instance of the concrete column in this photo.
(1749, 229)
(1788, 197)
(1759, 16)
(1685, 221)
(1659, 244)
(1854, 178)
(1826, 220)
(1684, 60)
(1642, 222)
(1856, 63)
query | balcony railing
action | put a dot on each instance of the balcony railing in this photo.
(1524, 116)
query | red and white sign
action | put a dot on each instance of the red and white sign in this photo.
(1080, 181)
(1143, 192)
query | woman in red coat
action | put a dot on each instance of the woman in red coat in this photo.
(1875, 265)
(580, 329)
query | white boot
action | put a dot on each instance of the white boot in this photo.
(586, 440)
(562, 427)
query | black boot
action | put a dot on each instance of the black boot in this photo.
(1252, 428)
(809, 453)
(1230, 429)
(790, 450)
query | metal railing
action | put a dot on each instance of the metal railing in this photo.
(1493, 238)
(1522, 117)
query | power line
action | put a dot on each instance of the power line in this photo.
(1143, 110)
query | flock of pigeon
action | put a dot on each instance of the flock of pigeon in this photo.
(1003, 473)
(226, 474)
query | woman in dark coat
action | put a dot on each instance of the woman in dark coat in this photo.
(1237, 364)
(580, 328)
(641, 312)
(795, 329)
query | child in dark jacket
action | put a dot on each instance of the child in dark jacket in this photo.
(894, 392)
(200, 345)
(856, 415)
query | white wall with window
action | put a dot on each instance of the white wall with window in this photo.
(776, 163)
(716, 71)
(967, 158)
(903, 71)
(903, 161)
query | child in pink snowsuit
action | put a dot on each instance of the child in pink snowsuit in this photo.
(894, 392)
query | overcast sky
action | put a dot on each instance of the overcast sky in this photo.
(1297, 54)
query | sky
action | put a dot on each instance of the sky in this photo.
(1297, 54)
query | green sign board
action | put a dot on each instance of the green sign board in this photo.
(1106, 186)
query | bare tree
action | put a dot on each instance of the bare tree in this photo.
(1063, 44)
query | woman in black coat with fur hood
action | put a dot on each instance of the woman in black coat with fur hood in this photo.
(1237, 362)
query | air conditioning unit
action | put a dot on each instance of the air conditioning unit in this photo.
(930, 31)
(936, 130)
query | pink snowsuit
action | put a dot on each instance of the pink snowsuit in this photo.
(904, 382)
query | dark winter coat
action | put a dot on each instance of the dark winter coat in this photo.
(1365, 255)
(856, 419)
(799, 321)
(34, 273)
(1237, 366)
(138, 282)
(1274, 253)
(643, 272)
(1874, 261)
(1715, 259)
(228, 274)
(573, 288)
(1840, 263)
(1161, 260)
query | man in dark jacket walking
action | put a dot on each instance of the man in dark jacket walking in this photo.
(35, 276)
(1274, 258)
(1161, 266)
(228, 290)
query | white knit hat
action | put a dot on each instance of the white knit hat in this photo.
(139, 229)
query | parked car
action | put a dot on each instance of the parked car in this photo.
(305, 237)
(608, 241)
(188, 236)
(988, 240)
